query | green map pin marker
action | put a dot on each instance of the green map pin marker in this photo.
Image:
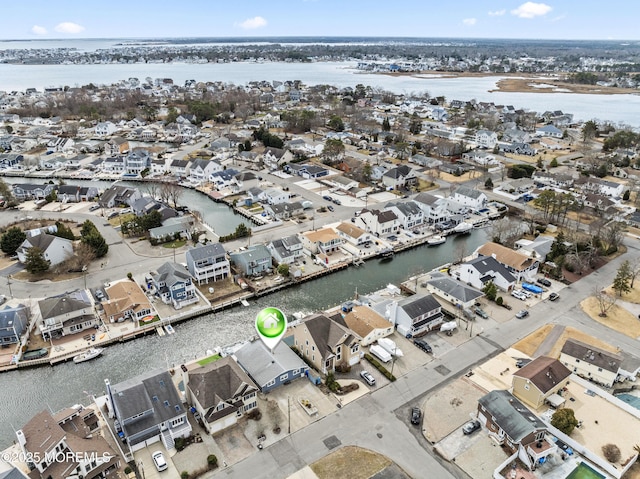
(271, 324)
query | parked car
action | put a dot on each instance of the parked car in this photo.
(516, 293)
(94, 207)
(393, 238)
(369, 379)
(330, 208)
(159, 461)
(521, 362)
(471, 427)
(422, 344)
(327, 198)
(544, 282)
(337, 201)
(480, 312)
(523, 313)
(416, 415)
(554, 296)
(3, 298)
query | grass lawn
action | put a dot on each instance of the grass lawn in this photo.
(210, 359)
(350, 461)
(572, 333)
(529, 344)
(175, 244)
(617, 318)
(632, 296)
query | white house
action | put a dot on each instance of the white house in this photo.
(105, 128)
(486, 139)
(475, 199)
(484, 269)
(274, 196)
(378, 222)
(55, 249)
(350, 233)
(408, 213)
(549, 130)
(200, 170)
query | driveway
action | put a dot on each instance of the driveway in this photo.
(13, 269)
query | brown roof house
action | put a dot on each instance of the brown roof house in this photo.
(540, 382)
(519, 265)
(595, 364)
(126, 301)
(368, 324)
(326, 344)
(221, 392)
(67, 444)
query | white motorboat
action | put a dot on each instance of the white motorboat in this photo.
(87, 355)
(436, 240)
(463, 228)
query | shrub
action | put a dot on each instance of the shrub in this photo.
(184, 475)
(611, 452)
(376, 364)
(565, 420)
(212, 461)
(180, 443)
(499, 300)
(254, 414)
(128, 470)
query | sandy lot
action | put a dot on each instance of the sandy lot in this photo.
(352, 462)
(531, 343)
(617, 318)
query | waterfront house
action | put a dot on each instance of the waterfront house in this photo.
(284, 211)
(453, 293)
(254, 260)
(286, 250)
(220, 391)
(521, 266)
(274, 196)
(368, 324)
(434, 208)
(223, 179)
(174, 285)
(326, 344)
(416, 315)
(76, 194)
(401, 176)
(350, 233)
(54, 249)
(114, 165)
(105, 128)
(325, 240)
(67, 444)
(200, 170)
(245, 180)
(116, 146)
(474, 199)
(540, 381)
(136, 162)
(208, 263)
(27, 191)
(408, 213)
(378, 222)
(172, 228)
(256, 194)
(126, 301)
(268, 369)
(178, 168)
(66, 314)
(13, 324)
(486, 139)
(274, 158)
(484, 269)
(549, 131)
(117, 195)
(146, 409)
(590, 362)
(159, 167)
(510, 424)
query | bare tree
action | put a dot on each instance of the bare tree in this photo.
(153, 189)
(605, 301)
(175, 193)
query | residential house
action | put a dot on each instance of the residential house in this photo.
(480, 157)
(401, 176)
(10, 160)
(516, 136)
(379, 222)
(325, 240)
(557, 180)
(146, 205)
(54, 249)
(26, 191)
(201, 170)
(119, 195)
(486, 139)
(306, 170)
(175, 286)
(409, 214)
(13, 324)
(549, 130)
(68, 444)
(208, 263)
(136, 162)
(434, 208)
(284, 211)
(518, 148)
(350, 233)
(453, 293)
(484, 269)
(343, 183)
(368, 324)
(256, 194)
(254, 260)
(416, 315)
(220, 391)
(424, 161)
(590, 362)
(514, 427)
(66, 314)
(246, 180)
(274, 158)
(75, 194)
(286, 250)
(223, 179)
(521, 266)
(274, 196)
(126, 301)
(270, 369)
(474, 199)
(326, 344)
(114, 165)
(105, 128)
(159, 167)
(178, 168)
(116, 147)
(174, 227)
(539, 382)
(147, 409)
(537, 248)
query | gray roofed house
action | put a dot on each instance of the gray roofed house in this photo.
(175, 286)
(220, 391)
(401, 176)
(116, 195)
(286, 250)
(473, 198)
(416, 314)
(270, 369)
(146, 407)
(55, 249)
(591, 362)
(409, 213)
(66, 314)
(483, 269)
(13, 324)
(175, 225)
(453, 291)
(284, 211)
(208, 262)
(256, 259)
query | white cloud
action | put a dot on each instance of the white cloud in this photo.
(497, 13)
(531, 10)
(38, 30)
(68, 27)
(252, 23)
(469, 21)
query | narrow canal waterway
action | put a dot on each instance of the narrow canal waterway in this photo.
(23, 393)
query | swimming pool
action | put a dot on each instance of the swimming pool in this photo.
(584, 471)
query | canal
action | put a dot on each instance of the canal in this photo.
(23, 393)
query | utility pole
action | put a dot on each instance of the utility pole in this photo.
(9, 284)
(289, 413)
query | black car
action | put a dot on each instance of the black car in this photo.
(544, 282)
(422, 344)
(554, 297)
(330, 208)
(521, 362)
(416, 415)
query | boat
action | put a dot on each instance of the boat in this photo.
(88, 355)
(169, 329)
(244, 302)
(436, 240)
(463, 227)
(147, 319)
(390, 346)
(386, 253)
(35, 354)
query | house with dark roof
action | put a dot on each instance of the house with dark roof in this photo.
(402, 176)
(306, 170)
(200, 170)
(286, 250)
(55, 249)
(178, 168)
(484, 269)
(284, 211)
(208, 263)
(274, 158)
(590, 362)
(510, 424)
(470, 197)
(326, 344)
(452, 292)
(13, 324)
(26, 191)
(409, 213)
(69, 313)
(519, 265)
(67, 444)
(270, 370)
(220, 391)
(147, 408)
(118, 195)
(433, 207)
(378, 222)
(540, 381)
(254, 260)
(174, 285)
(416, 315)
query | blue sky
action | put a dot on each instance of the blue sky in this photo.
(547, 19)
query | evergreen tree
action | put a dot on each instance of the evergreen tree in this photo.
(386, 126)
(35, 261)
(64, 231)
(621, 283)
(11, 240)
